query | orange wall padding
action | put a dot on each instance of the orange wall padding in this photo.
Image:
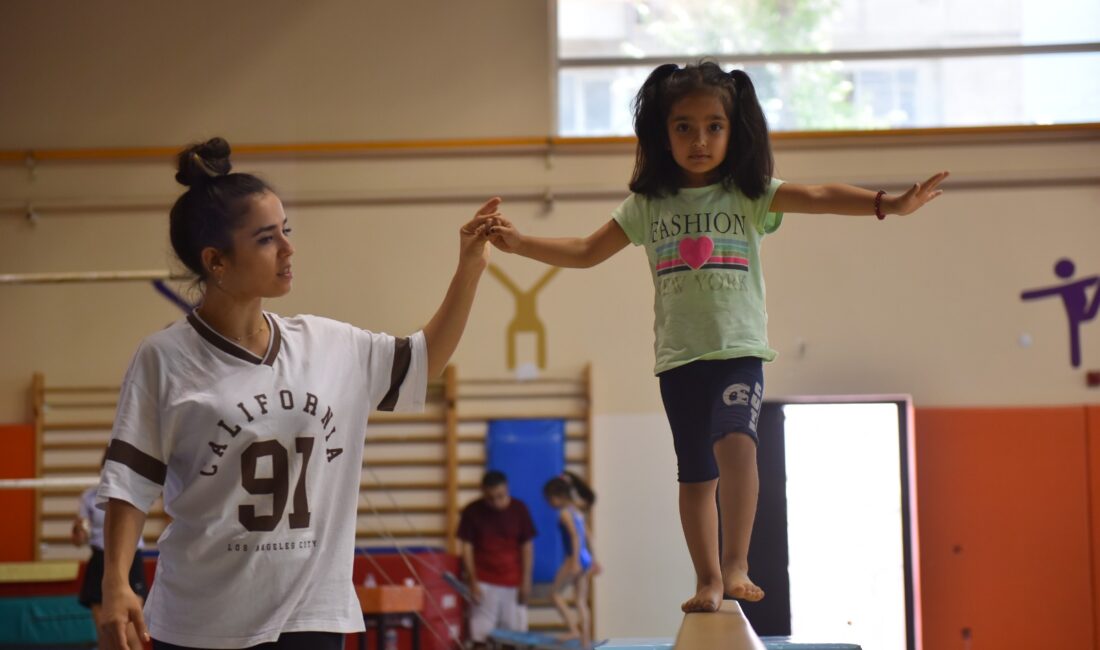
(1006, 537)
(17, 506)
(1094, 512)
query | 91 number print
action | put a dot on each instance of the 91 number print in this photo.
(278, 486)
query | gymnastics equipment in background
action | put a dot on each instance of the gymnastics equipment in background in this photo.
(88, 276)
(173, 297)
(726, 629)
(157, 278)
(419, 469)
(530, 453)
(39, 606)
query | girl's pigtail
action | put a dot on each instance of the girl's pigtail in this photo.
(647, 103)
(749, 142)
(652, 156)
(583, 490)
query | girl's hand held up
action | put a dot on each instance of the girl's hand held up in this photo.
(505, 236)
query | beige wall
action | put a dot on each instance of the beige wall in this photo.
(927, 305)
(130, 73)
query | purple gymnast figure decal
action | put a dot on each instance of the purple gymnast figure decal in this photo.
(1075, 299)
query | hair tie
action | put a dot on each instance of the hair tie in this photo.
(210, 172)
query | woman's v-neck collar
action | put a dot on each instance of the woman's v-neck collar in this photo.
(230, 347)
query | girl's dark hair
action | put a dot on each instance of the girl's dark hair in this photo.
(748, 164)
(214, 204)
(568, 484)
(557, 487)
(583, 490)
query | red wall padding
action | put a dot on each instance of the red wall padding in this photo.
(17, 506)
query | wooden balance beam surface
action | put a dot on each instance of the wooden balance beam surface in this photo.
(726, 629)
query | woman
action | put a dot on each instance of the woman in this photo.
(251, 425)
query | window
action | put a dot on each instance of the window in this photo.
(841, 64)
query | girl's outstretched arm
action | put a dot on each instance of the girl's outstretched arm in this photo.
(444, 330)
(570, 252)
(837, 198)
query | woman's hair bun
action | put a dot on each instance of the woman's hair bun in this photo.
(200, 163)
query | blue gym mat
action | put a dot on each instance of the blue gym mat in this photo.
(786, 643)
(530, 453)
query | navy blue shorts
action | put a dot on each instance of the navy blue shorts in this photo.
(705, 401)
(91, 590)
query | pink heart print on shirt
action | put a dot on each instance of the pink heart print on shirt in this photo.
(696, 250)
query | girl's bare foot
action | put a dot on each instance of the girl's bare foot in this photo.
(707, 598)
(739, 586)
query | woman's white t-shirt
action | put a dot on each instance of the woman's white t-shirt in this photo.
(259, 462)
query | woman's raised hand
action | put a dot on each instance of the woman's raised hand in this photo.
(474, 236)
(501, 232)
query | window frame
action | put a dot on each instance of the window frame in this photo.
(1027, 131)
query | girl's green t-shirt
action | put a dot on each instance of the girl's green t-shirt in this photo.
(703, 246)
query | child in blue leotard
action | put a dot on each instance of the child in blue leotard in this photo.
(563, 494)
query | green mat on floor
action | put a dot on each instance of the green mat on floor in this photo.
(45, 621)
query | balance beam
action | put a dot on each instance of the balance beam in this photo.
(726, 629)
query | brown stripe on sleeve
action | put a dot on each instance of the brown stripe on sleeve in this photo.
(123, 452)
(402, 359)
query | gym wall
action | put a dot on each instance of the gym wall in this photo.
(927, 305)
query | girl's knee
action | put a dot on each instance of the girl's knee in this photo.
(699, 489)
(738, 441)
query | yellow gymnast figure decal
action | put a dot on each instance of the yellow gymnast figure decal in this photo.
(526, 318)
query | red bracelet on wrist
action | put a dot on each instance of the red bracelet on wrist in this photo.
(878, 205)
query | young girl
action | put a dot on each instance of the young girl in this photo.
(563, 492)
(703, 199)
(251, 424)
